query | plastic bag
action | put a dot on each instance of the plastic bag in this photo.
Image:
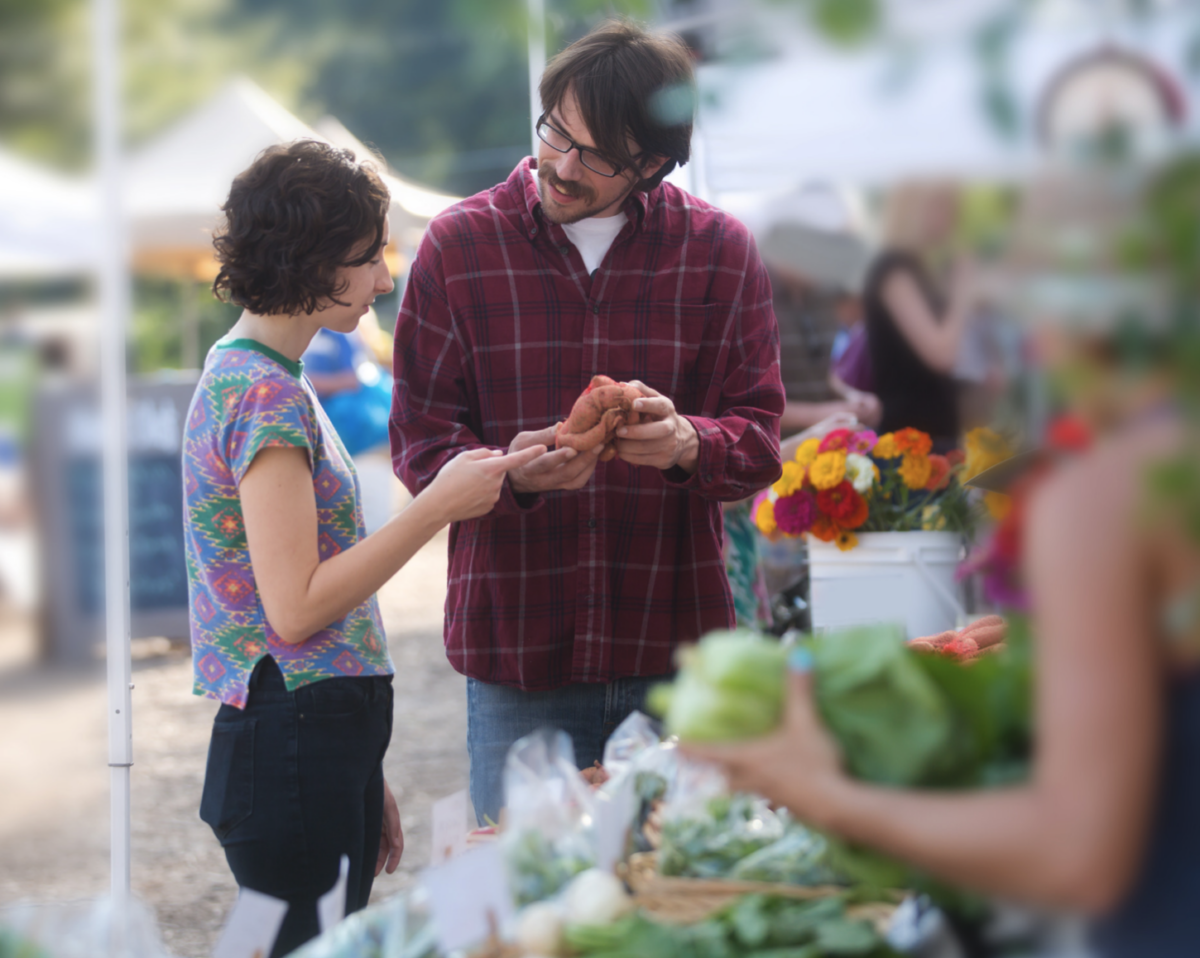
(399, 927)
(96, 928)
(550, 816)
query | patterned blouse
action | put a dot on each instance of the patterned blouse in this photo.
(249, 398)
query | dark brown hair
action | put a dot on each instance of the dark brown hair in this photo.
(293, 217)
(628, 83)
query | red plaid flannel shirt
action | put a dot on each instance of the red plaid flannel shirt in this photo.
(500, 329)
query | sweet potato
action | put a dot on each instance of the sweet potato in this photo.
(603, 407)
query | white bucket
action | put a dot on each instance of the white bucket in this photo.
(904, 577)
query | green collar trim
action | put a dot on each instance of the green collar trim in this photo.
(293, 366)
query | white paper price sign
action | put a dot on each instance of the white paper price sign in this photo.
(252, 926)
(449, 828)
(331, 907)
(469, 897)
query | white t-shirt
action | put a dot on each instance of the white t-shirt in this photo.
(593, 236)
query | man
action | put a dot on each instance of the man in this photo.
(568, 600)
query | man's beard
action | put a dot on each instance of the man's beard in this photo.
(547, 177)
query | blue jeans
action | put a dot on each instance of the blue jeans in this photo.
(498, 715)
(293, 782)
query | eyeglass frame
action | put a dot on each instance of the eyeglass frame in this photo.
(583, 150)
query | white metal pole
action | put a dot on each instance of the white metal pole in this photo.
(537, 62)
(113, 287)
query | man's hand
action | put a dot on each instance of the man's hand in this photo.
(391, 842)
(557, 469)
(668, 440)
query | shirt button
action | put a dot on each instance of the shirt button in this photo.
(565, 250)
(591, 523)
(533, 231)
(596, 308)
(707, 477)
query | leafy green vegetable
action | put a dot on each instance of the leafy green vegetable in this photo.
(537, 869)
(800, 857)
(711, 844)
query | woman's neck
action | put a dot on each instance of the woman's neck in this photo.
(288, 335)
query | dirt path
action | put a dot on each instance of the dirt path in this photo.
(54, 828)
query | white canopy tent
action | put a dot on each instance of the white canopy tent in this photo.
(47, 222)
(177, 183)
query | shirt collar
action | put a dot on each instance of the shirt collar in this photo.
(524, 178)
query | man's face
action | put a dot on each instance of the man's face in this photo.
(570, 191)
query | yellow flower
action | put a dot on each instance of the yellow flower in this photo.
(828, 469)
(764, 518)
(846, 540)
(932, 519)
(997, 504)
(915, 470)
(885, 446)
(808, 451)
(985, 448)
(791, 480)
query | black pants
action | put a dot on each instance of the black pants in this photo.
(294, 782)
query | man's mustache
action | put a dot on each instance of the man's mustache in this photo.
(569, 189)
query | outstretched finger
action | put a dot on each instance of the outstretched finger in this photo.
(515, 460)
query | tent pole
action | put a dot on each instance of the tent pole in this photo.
(537, 62)
(113, 285)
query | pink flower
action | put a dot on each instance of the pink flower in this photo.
(795, 514)
(863, 442)
(836, 440)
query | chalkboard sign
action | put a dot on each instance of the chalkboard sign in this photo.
(157, 570)
(69, 482)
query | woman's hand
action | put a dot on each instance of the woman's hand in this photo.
(391, 842)
(470, 483)
(798, 766)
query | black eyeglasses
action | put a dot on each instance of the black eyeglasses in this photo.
(558, 140)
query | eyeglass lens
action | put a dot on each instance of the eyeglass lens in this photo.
(592, 160)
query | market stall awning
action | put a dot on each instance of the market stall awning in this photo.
(47, 222)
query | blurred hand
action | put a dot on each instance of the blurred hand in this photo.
(798, 766)
(558, 469)
(470, 483)
(391, 841)
(866, 407)
(667, 441)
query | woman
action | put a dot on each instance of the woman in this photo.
(913, 333)
(1107, 822)
(286, 631)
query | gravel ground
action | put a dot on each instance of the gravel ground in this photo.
(54, 821)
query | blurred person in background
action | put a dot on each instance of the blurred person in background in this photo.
(567, 601)
(286, 631)
(918, 300)
(1106, 823)
(353, 390)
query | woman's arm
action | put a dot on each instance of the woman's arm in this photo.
(1073, 836)
(934, 341)
(301, 594)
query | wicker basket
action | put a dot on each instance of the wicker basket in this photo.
(687, 900)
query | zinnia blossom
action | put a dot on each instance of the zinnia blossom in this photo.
(791, 480)
(827, 470)
(836, 439)
(824, 528)
(863, 441)
(886, 448)
(939, 473)
(764, 517)
(808, 451)
(846, 540)
(862, 473)
(915, 470)
(914, 441)
(998, 505)
(794, 514)
(839, 503)
(985, 448)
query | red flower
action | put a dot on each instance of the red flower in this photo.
(824, 528)
(939, 473)
(837, 439)
(956, 457)
(794, 514)
(1069, 434)
(842, 504)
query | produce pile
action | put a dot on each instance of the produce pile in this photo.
(601, 409)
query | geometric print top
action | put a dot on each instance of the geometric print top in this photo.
(251, 397)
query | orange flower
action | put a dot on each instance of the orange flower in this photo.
(939, 473)
(915, 470)
(914, 441)
(824, 528)
(846, 540)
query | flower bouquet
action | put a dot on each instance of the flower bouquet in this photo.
(854, 481)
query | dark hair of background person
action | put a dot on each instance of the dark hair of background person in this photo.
(295, 215)
(628, 83)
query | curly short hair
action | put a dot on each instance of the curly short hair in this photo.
(300, 211)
